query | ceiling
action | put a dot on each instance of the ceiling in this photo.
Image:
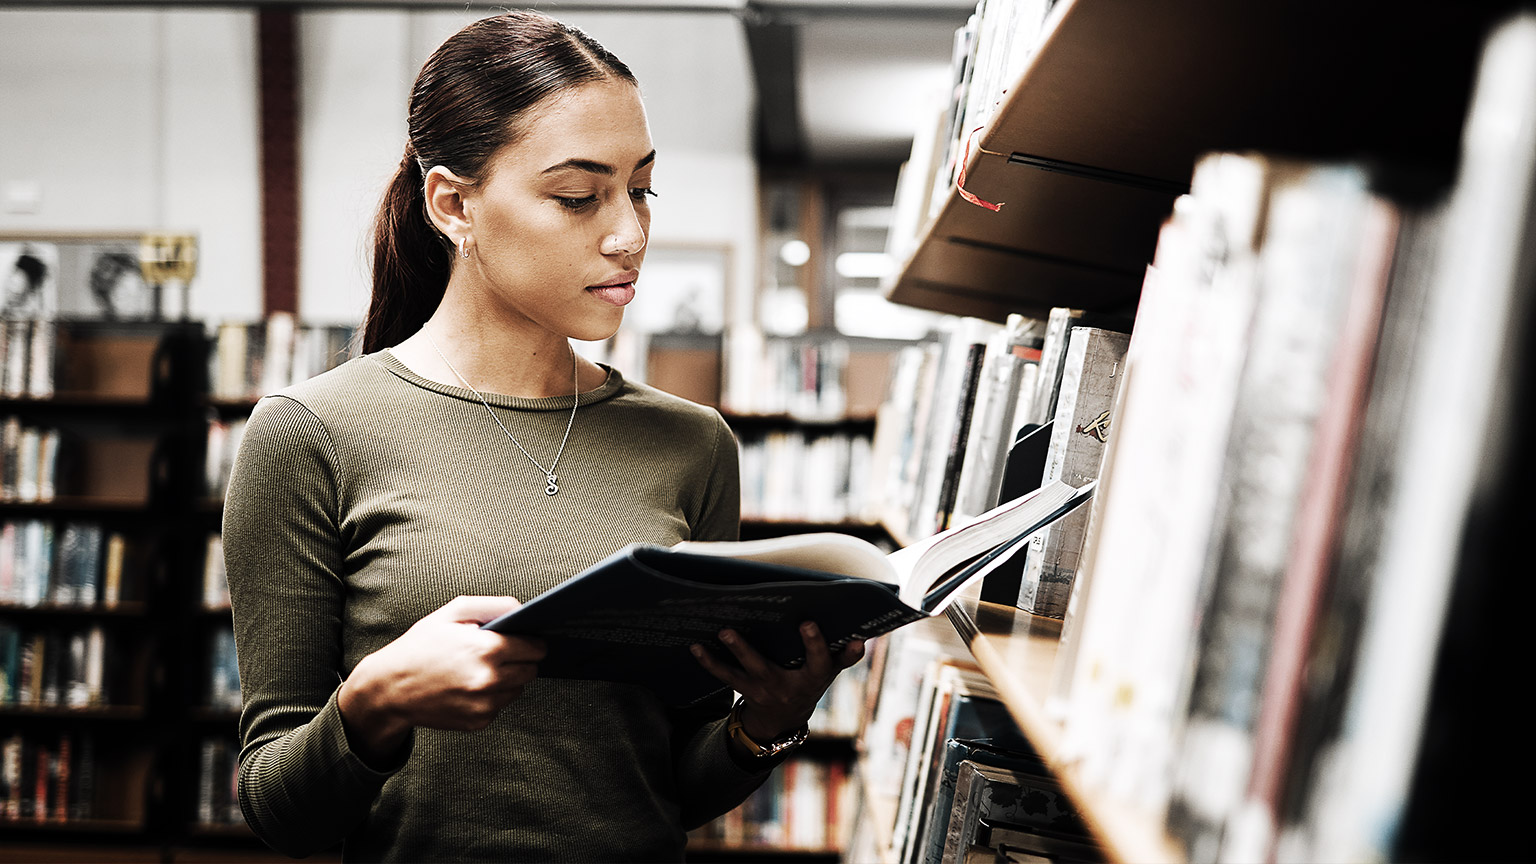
(845, 82)
(841, 83)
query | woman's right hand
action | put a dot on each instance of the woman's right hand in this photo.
(443, 673)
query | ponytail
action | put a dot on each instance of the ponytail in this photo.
(411, 261)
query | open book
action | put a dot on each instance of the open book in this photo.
(632, 617)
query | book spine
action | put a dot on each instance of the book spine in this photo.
(960, 433)
(41, 359)
(112, 571)
(1090, 376)
(1307, 265)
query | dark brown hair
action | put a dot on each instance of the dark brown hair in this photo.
(467, 104)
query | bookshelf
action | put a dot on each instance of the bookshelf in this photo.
(1088, 151)
(1099, 135)
(1017, 651)
(102, 735)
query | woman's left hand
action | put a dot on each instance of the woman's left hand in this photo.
(779, 701)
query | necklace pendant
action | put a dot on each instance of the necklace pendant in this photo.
(553, 486)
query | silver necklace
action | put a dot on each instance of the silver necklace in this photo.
(553, 483)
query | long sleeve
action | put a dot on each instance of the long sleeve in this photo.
(709, 780)
(301, 787)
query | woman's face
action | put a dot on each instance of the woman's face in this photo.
(559, 223)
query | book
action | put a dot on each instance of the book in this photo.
(1035, 804)
(1314, 240)
(977, 727)
(943, 835)
(634, 616)
(1314, 538)
(943, 438)
(980, 477)
(1130, 643)
(1460, 463)
(944, 682)
(1091, 373)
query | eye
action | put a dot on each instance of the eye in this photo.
(639, 193)
(576, 203)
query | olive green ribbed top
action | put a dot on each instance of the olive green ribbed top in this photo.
(369, 496)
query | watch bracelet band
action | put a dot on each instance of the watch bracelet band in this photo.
(737, 731)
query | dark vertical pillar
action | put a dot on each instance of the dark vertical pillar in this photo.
(278, 69)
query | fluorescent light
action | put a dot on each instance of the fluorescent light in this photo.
(794, 252)
(864, 265)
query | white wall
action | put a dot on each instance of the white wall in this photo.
(138, 120)
(358, 70)
(132, 119)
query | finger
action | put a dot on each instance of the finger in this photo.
(852, 653)
(752, 663)
(476, 609)
(514, 649)
(818, 659)
(726, 673)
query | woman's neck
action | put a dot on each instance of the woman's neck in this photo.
(472, 351)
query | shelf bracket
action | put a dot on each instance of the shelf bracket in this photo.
(1103, 175)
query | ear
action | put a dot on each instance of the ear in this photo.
(447, 202)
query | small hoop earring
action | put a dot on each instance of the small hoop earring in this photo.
(464, 248)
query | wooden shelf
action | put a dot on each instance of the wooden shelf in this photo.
(1089, 149)
(715, 847)
(65, 712)
(778, 421)
(1017, 651)
(131, 609)
(83, 826)
(79, 503)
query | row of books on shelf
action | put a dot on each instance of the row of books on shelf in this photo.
(990, 52)
(218, 767)
(27, 352)
(809, 476)
(1252, 515)
(219, 454)
(47, 778)
(29, 461)
(215, 575)
(1306, 430)
(970, 786)
(991, 411)
(251, 359)
(223, 690)
(804, 804)
(805, 378)
(53, 667)
(73, 563)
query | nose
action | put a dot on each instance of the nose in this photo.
(628, 236)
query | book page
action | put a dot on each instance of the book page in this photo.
(842, 554)
(925, 567)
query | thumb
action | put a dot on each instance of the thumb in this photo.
(471, 609)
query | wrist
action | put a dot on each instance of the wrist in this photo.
(763, 738)
(375, 728)
(763, 726)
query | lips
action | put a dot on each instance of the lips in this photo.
(618, 290)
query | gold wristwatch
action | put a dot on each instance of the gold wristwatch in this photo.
(734, 728)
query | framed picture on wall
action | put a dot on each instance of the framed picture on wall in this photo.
(682, 289)
(93, 276)
(102, 279)
(29, 279)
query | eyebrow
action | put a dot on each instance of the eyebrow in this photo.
(594, 167)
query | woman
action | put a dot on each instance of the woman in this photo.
(470, 459)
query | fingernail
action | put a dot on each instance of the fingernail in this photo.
(727, 636)
(698, 651)
(808, 628)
